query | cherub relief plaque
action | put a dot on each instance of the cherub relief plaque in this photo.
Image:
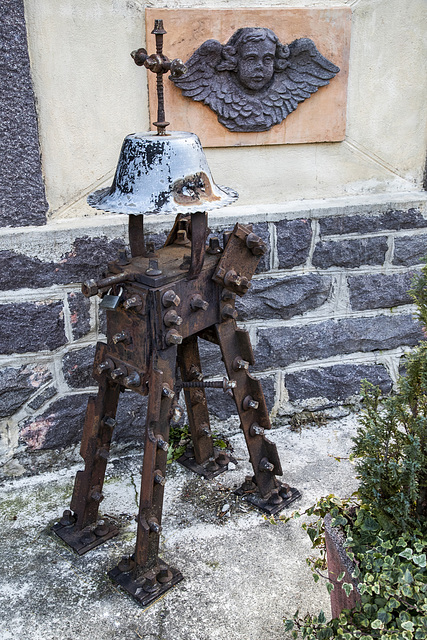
(259, 76)
(254, 81)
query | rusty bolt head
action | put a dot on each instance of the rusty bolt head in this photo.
(123, 336)
(228, 312)
(255, 244)
(126, 564)
(228, 384)
(159, 479)
(265, 465)
(162, 444)
(101, 529)
(132, 380)
(177, 414)
(109, 422)
(171, 318)
(154, 526)
(139, 56)
(132, 302)
(170, 298)
(173, 337)
(89, 288)
(197, 303)
(164, 575)
(167, 392)
(256, 430)
(239, 363)
(68, 519)
(107, 365)
(250, 403)
(117, 373)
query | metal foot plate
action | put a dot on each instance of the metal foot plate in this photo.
(287, 495)
(83, 540)
(150, 586)
(208, 469)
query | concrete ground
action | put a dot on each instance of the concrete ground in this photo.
(242, 574)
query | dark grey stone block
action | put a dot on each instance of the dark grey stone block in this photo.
(409, 250)
(369, 223)
(59, 426)
(350, 253)
(376, 291)
(261, 230)
(79, 307)
(23, 200)
(42, 398)
(281, 346)
(336, 383)
(284, 298)
(131, 417)
(77, 367)
(210, 359)
(293, 242)
(17, 385)
(31, 326)
(87, 259)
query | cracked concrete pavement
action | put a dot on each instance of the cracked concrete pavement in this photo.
(242, 574)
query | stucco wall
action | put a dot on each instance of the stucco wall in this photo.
(90, 95)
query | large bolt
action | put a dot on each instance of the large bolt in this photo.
(265, 465)
(102, 453)
(197, 302)
(154, 526)
(97, 495)
(255, 244)
(117, 373)
(159, 479)
(167, 392)
(153, 267)
(239, 363)
(170, 298)
(132, 301)
(177, 414)
(250, 403)
(67, 519)
(123, 336)
(256, 430)
(132, 380)
(214, 246)
(172, 318)
(107, 365)
(173, 337)
(229, 312)
(109, 422)
(162, 444)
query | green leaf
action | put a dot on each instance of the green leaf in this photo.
(377, 624)
(406, 553)
(322, 617)
(348, 588)
(329, 586)
(289, 625)
(420, 560)
(407, 577)
(408, 626)
(341, 576)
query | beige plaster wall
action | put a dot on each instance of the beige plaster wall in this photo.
(90, 95)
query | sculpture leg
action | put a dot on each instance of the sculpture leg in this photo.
(76, 529)
(144, 575)
(238, 355)
(203, 459)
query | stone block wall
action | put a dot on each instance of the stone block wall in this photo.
(329, 306)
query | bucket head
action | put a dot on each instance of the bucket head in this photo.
(162, 174)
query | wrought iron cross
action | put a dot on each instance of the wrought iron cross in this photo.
(159, 64)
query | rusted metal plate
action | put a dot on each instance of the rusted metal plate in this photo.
(135, 588)
(209, 469)
(83, 540)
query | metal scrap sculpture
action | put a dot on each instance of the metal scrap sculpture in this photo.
(254, 82)
(158, 305)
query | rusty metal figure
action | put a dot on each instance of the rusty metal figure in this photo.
(158, 306)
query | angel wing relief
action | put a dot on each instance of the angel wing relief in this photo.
(254, 82)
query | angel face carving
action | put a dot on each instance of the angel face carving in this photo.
(254, 82)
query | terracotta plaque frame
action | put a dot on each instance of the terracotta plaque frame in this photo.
(320, 118)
